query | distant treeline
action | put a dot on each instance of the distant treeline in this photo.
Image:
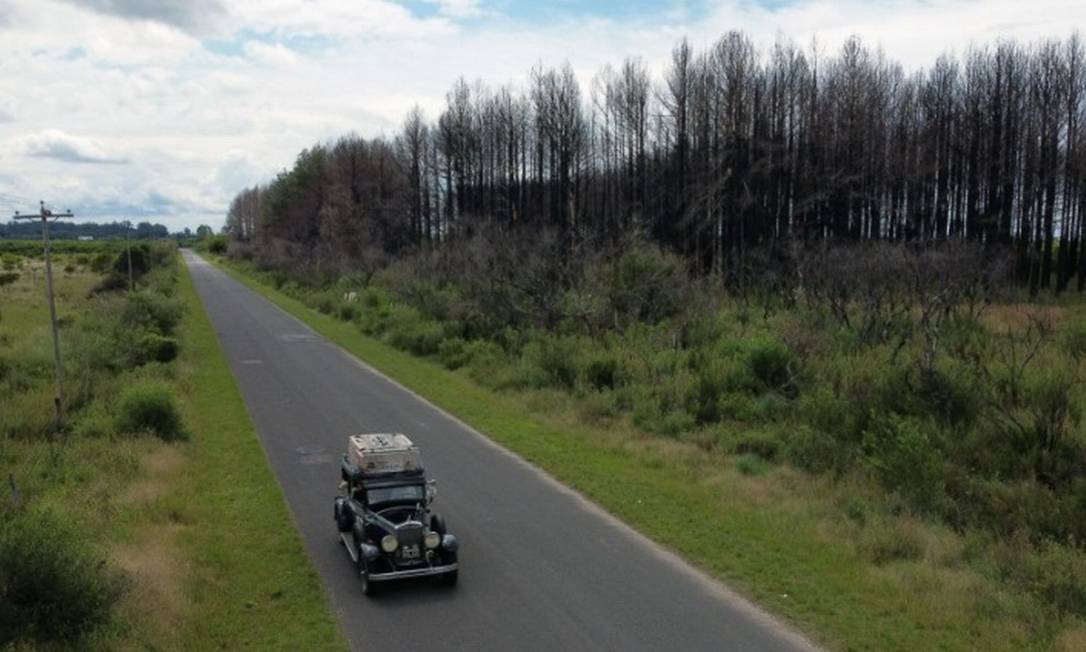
(735, 158)
(69, 230)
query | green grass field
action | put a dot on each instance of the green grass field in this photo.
(821, 555)
(165, 517)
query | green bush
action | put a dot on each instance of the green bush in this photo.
(751, 464)
(486, 362)
(753, 409)
(149, 407)
(763, 444)
(951, 399)
(151, 347)
(555, 359)
(770, 363)
(816, 451)
(152, 312)
(6, 278)
(141, 261)
(347, 312)
(53, 587)
(453, 353)
(602, 372)
(216, 244)
(904, 454)
(832, 414)
(101, 262)
(676, 423)
(410, 331)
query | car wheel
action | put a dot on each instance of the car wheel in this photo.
(368, 587)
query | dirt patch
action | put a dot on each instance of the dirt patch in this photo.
(154, 601)
(158, 470)
(1072, 639)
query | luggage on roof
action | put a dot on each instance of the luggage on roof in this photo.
(383, 453)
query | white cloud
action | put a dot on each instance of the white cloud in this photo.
(330, 18)
(189, 15)
(269, 55)
(204, 103)
(458, 8)
(53, 143)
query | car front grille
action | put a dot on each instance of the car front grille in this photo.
(409, 534)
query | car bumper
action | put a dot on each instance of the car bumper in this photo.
(413, 572)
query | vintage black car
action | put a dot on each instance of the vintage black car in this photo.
(384, 520)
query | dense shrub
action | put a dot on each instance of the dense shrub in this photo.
(487, 361)
(644, 284)
(763, 444)
(904, 454)
(149, 407)
(816, 451)
(407, 329)
(101, 262)
(216, 244)
(141, 261)
(347, 312)
(53, 587)
(453, 353)
(151, 347)
(770, 364)
(556, 360)
(751, 464)
(602, 372)
(152, 312)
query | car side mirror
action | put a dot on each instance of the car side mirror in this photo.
(431, 491)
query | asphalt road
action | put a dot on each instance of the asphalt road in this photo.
(541, 568)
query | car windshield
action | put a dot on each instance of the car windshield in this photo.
(410, 492)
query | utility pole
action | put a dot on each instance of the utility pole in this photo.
(45, 215)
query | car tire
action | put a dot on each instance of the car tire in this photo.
(437, 524)
(369, 588)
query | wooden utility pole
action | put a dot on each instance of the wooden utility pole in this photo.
(46, 215)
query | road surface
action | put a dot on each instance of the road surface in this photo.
(541, 568)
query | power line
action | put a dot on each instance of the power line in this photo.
(46, 216)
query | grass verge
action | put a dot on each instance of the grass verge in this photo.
(251, 583)
(769, 534)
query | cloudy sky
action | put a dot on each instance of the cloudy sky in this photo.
(162, 110)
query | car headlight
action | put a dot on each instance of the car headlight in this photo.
(432, 540)
(389, 543)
